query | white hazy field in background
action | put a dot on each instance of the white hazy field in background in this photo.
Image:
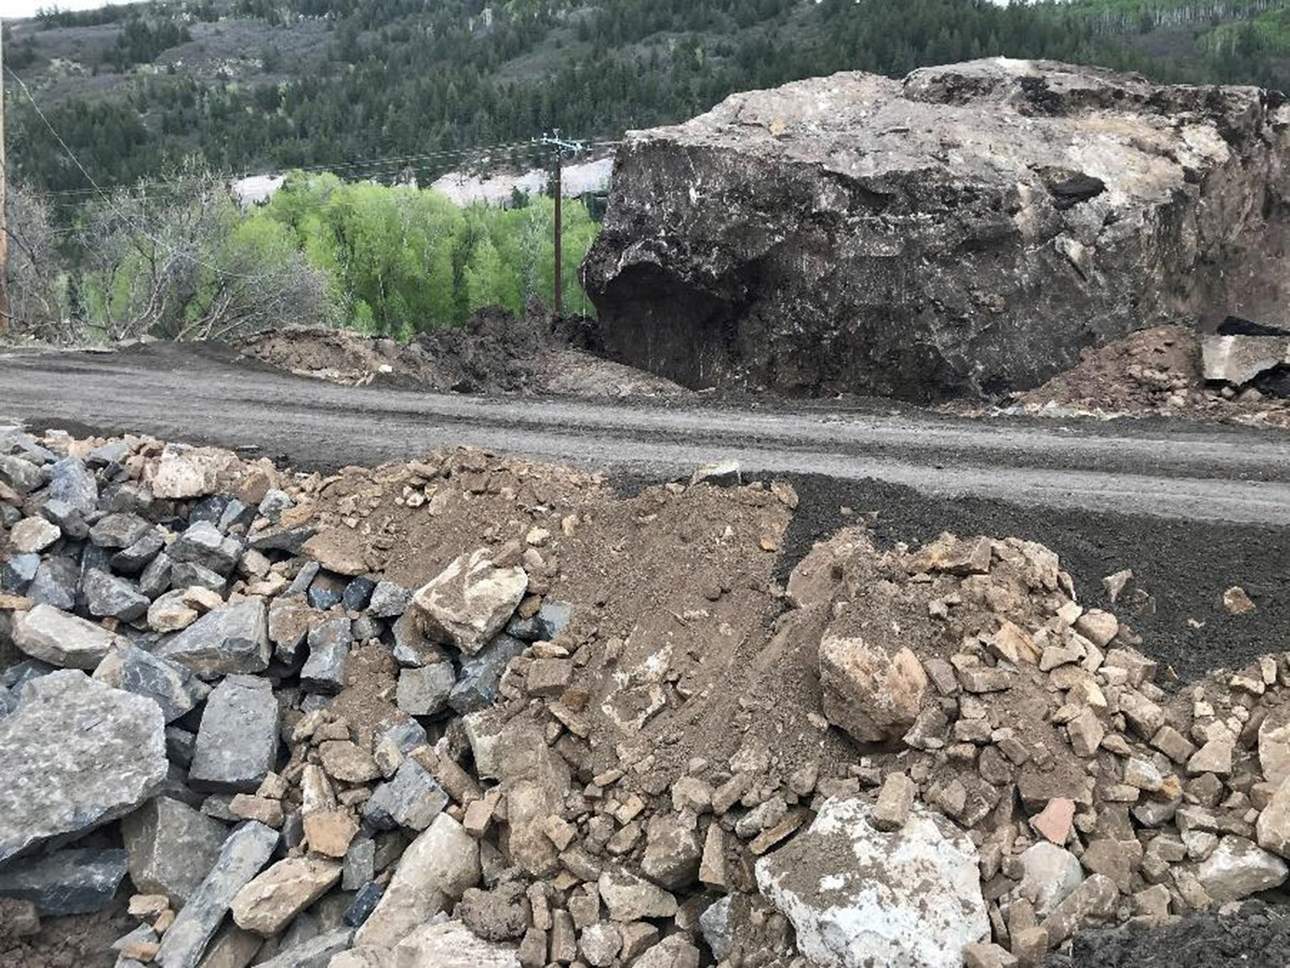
(13, 9)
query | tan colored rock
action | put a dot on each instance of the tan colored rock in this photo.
(1274, 748)
(895, 801)
(433, 873)
(957, 556)
(1237, 602)
(469, 601)
(330, 832)
(339, 550)
(1273, 826)
(343, 760)
(274, 897)
(872, 695)
(1097, 626)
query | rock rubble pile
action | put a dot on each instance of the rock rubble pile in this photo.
(452, 712)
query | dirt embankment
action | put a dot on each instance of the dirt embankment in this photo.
(495, 353)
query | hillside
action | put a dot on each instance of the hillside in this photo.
(251, 84)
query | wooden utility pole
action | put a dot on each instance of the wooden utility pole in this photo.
(4, 219)
(559, 233)
(557, 184)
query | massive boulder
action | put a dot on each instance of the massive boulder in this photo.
(965, 230)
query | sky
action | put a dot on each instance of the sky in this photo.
(25, 8)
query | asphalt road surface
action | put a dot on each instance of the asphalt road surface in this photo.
(205, 395)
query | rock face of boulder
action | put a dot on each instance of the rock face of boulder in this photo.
(857, 896)
(966, 230)
(75, 754)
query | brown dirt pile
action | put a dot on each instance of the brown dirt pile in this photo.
(494, 353)
(1152, 372)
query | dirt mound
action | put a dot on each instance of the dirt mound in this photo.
(495, 352)
(1153, 372)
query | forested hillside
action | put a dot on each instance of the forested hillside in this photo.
(269, 84)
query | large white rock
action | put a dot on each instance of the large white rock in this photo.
(452, 945)
(857, 896)
(1238, 868)
(61, 639)
(75, 754)
(468, 602)
(1051, 873)
(433, 872)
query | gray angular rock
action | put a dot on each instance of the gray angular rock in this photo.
(113, 452)
(358, 593)
(324, 670)
(73, 484)
(389, 600)
(290, 540)
(118, 530)
(412, 799)
(22, 475)
(909, 898)
(75, 754)
(231, 639)
(481, 674)
(411, 647)
(290, 621)
(316, 952)
(57, 583)
(425, 691)
(134, 559)
(155, 579)
(18, 571)
(70, 520)
(67, 881)
(1239, 359)
(550, 620)
(107, 596)
(237, 744)
(64, 640)
(203, 544)
(450, 944)
(1238, 868)
(172, 687)
(243, 854)
(822, 254)
(326, 590)
(185, 574)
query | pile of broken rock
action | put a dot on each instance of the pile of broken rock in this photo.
(208, 689)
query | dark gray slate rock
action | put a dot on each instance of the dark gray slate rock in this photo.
(324, 670)
(118, 530)
(72, 483)
(412, 799)
(389, 600)
(326, 590)
(244, 854)
(173, 688)
(70, 520)
(551, 619)
(237, 516)
(20, 474)
(274, 503)
(424, 691)
(411, 647)
(365, 627)
(360, 864)
(16, 675)
(203, 544)
(171, 847)
(231, 639)
(822, 254)
(180, 743)
(237, 744)
(317, 952)
(113, 452)
(134, 559)
(66, 881)
(358, 593)
(18, 572)
(130, 497)
(75, 754)
(57, 583)
(290, 540)
(8, 701)
(64, 640)
(406, 734)
(476, 687)
(107, 596)
(155, 580)
(185, 574)
(209, 509)
(364, 903)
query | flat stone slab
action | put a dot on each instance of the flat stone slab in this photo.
(61, 639)
(171, 847)
(237, 744)
(1239, 359)
(75, 754)
(245, 852)
(470, 601)
(66, 881)
(228, 640)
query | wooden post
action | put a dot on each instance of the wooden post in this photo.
(559, 233)
(4, 220)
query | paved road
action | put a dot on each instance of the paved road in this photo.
(205, 396)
